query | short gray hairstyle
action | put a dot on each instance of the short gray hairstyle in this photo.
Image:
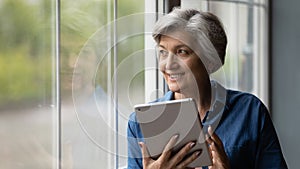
(205, 27)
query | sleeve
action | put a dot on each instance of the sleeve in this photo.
(269, 152)
(133, 137)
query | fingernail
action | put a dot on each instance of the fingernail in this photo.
(192, 144)
(141, 144)
(209, 129)
(198, 152)
(176, 136)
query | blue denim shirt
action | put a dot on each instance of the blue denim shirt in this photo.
(243, 124)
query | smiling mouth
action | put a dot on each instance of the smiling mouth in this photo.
(175, 76)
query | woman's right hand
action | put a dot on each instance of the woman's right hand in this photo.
(166, 161)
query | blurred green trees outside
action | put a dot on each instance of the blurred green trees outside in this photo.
(27, 44)
(25, 51)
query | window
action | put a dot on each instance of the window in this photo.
(72, 71)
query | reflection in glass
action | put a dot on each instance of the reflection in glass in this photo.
(89, 44)
(27, 93)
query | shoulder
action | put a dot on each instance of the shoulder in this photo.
(239, 96)
(133, 125)
(132, 117)
(244, 114)
(246, 100)
(245, 107)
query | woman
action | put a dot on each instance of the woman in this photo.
(191, 46)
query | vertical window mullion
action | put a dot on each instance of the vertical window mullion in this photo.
(58, 120)
(151, 66)
(115, 64)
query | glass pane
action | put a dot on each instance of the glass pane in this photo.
(84, 128)
(27, 94)
(130, 69)
(93, 129)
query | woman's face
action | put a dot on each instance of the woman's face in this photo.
(181, 67)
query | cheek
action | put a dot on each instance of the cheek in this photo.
(162, 66)
(191, 66)
(197, 68)
(199, 73)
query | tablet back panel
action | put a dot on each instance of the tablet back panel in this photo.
(160, 121)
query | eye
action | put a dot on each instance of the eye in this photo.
(163, 53)
(182, 53)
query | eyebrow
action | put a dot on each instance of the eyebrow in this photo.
(176, 47)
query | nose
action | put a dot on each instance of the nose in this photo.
(171, 62)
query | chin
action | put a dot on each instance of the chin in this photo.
(174, 88)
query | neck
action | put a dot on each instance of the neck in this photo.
(202, 99)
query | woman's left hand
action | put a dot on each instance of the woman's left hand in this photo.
(219, 157)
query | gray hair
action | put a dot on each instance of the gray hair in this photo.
(205, 28)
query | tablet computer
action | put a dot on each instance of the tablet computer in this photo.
(160, 121)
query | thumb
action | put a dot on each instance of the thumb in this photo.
(144, 149)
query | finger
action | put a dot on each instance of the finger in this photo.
(168, 148)
(219, 156)
(216, 150)
(145, 153)
(214, 141)
(218, 162)
(182, 153)
(190, 159)
(214, 137)
(208, 139)
(210, 131)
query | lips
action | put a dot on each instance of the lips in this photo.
(175, 76)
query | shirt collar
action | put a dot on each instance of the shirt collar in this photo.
(214, 115)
